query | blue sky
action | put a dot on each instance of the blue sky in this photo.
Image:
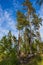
(8, 10)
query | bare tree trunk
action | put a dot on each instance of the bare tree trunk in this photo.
(30, 39)
(19, 42)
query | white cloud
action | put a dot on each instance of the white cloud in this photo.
(6, 23)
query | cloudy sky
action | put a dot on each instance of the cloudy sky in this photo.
(8, 9)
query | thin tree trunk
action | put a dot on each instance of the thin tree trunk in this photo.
(30, 41)
(19, 42)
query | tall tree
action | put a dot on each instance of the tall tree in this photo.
(30, 21)
(21, 23)
(30, 10)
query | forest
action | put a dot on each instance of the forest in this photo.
(27, 49)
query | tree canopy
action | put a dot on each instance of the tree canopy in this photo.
(28, 47)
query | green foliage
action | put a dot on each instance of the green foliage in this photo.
(34, 48)
(28, 40)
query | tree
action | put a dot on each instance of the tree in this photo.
(21, 23)
(37, 21)
(28, 43)
(8, 53)
(29, 23)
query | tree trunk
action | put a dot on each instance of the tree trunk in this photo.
(30, 41)
(19, 42)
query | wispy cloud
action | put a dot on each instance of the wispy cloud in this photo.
(6, 23)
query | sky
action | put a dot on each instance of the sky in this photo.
(8, 9)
